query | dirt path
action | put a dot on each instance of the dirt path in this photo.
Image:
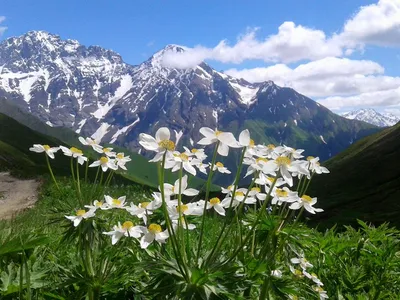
(16, 194)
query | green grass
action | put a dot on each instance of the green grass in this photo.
(364, 182)
(353, 264)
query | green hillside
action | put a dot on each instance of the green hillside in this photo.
(16, 139)
(364, 182)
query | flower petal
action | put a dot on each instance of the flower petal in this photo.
(163, 134)
(244, 138)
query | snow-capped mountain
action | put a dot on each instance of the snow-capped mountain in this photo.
(94, 92)
(373, 117)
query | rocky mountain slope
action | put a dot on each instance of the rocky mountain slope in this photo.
(373, 117)
(94, 92)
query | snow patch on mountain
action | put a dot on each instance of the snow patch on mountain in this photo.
(373, 117)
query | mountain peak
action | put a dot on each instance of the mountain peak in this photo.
(157, 59)
(371, 116)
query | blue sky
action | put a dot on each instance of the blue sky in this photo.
(136, 29)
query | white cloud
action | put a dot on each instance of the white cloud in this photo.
(375, 24)
(292, 43)
(2, 28)
(326, 77)
(376, 98)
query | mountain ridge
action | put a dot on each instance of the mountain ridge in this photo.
(373, 117)
(94, 92)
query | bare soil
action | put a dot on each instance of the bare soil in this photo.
(16, 194)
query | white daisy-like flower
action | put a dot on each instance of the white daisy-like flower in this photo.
(256, 192)
(178, 160)
(127, 229)
(302, 261)
(226, 140)
(75, 153)
(44, 148)
(121, 160)
(276, 273)
(186, 225)
(315, 166)
(143, 209)
(105, 163)
(152, 233)
(190, 209)
(108, 152)
(91, 142)
(255, 164)
(170, 190)
(308, 203)
(160, 144)
(283, 195)
(216, 204)
(239, 197)
(221, 168)
(285, 166)
(202, 167)
(114, 202)
(80, 215)
(197, 153)
(97, 205)
(322, 293)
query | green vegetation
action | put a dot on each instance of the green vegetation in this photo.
(364, 182)
(352, 264)
(251, 245)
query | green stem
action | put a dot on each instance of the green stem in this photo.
(210, 175)
(255, 223)
(174, 243)
(51, 172)
(78, 183)
(86, 170)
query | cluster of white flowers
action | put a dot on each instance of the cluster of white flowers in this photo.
(274, 171)
(304, 265)
(108, 160)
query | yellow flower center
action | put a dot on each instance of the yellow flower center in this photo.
(319, 289)
(99, 204)
(217, 132)
(215, 201)
(104, 160)
(194, 150)
(317, 163)
(106, 150)
(120, 156)
(256, 189)
(182, 208)
(219, 164)
(154, 228)
(261, 159)
(167, 145)
(144, 204)
(272, 179)
(283, 161)
(184, 157)
(271, 146)
(46, 147)
(298, 273)
(230, 187)
(80, 212)
(116, 202)
(239, 194)
(310, 158)
(281, 193)
(76, 150)
(127, 225)
(306, 198)
(294, 297)
(252, 143)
